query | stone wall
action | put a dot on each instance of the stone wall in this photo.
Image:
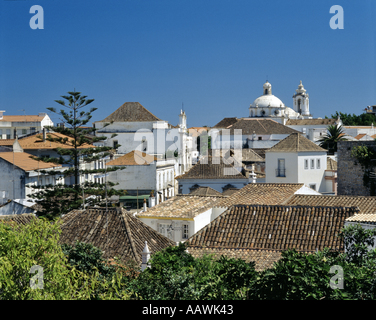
(350, 172)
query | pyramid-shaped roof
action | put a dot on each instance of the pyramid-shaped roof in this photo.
(133, 158)
(131, 112)
(295, 142)
(210, 167)
(117, 233)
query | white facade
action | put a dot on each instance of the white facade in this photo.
(16, 182)
(297, 167)
(152, 137)
(272, 107)
(158, 177)
(22, 125)
(180, 229)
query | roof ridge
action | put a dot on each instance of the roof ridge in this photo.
(128, 231)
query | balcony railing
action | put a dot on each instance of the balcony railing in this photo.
(280, 172)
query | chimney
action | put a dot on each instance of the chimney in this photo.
(145, 207)
(145, 257)
(151, 200)
(44, 134)
(1, 114)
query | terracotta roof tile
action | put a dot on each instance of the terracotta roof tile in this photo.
(20, 219)
(182, 206)
(303, 228)
(23, 161)
(365, 204)
(295, 142)
(331, 164)
(7, 142)
(210, 167)
(226, 122)
(259, 126)
(303, 122)
(131, 111)
(36, 142)
(22, 118)
(367, 218)
(205, 191)
(117, 232)
(262, 193)
(133, 158)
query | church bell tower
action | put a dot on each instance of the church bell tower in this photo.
(301, 101)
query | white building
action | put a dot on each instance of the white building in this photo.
(270, 106)
(296, 159)
(217, 173)
(182, 216)
(19, 172)
(132, 127)
(10, 126)
(143, 174)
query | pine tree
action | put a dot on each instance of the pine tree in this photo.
(53, 201)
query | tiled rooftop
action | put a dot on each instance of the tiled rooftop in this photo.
(367, 218)
(226, 122)
(131, 111)
(365, 204)
(303, 122)
(295, 142)
(22, 118)
(331, 164)
(210, 167)
(23, 161)
(182, 206)
(133, 158)
(262, 193)
(117, 233)
(36, 142)
(205, 191)
(303, 228)
(20, 219)
(260, 127)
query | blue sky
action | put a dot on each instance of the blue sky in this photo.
(211, 55)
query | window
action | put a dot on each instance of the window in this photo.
(1, 133)
(260, 138)
(305, 163)
(318, 164)
(312, 163)
(115, 144)
(281, 171)
(24, 131)
(8, 133)
(185, 234)
(313, 186)
(33, 129)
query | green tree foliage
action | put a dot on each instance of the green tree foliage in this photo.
(80, 272)
(60, 199)
(364, 119)
(37, 244)
(330, 140)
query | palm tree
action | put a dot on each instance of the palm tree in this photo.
(334, 135)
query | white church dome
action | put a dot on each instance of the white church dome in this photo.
(265, 101)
